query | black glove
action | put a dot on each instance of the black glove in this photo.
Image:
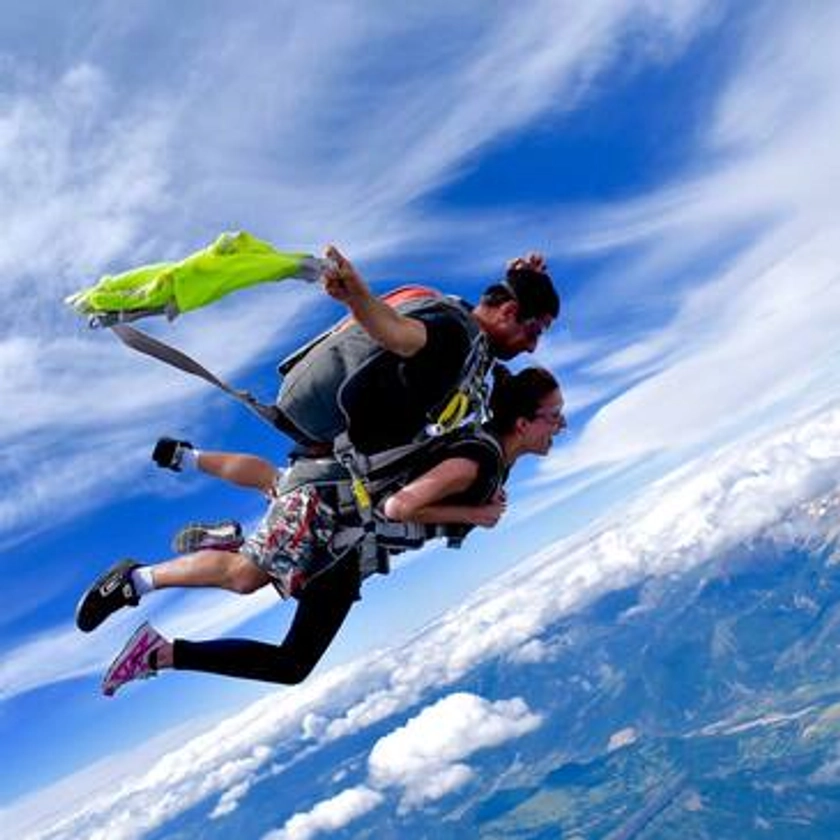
(168, 453)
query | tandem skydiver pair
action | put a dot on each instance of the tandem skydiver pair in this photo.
(396, 441)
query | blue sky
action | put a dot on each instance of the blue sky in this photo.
(675, 161)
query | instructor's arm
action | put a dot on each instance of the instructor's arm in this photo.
(397, 333)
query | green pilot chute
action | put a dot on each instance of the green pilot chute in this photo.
(234, 261)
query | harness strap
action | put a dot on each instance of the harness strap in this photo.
(394, 536)
(100, 320)
(144, 343)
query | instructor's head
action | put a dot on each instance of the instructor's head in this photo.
(517, 310)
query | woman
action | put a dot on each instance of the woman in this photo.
(457, 484)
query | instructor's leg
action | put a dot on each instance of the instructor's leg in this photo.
(210, 567)
(125, 583)
(247, 471)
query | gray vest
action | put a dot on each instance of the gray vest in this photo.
(315, 375)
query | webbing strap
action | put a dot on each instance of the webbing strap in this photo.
(144, 343)
(100, 320)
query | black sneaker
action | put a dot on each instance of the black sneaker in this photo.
(169, 453)
(110, 593)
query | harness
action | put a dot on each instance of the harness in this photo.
(363, 476)
(361, 525)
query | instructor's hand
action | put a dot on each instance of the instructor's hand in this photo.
(341, 281)
(533, 262)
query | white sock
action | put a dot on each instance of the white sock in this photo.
(189, 459)
(142, 580)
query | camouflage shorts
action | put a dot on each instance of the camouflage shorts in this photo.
(291, 543)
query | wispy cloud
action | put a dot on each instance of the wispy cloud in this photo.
(757, 331)
(328, 141)
(77, 185)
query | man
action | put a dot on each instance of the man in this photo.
(389, 372)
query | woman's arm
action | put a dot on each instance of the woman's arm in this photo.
(424, 499)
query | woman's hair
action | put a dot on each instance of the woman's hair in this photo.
(516, 395)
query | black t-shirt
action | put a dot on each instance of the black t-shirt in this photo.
(492, 471)
(396, 396)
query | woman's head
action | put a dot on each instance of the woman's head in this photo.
(527, 405)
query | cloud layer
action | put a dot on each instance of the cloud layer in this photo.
(680, 522)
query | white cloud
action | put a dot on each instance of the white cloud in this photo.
(229, 800)
(36, 812)
(423, 756)
(330, 815)
(77, 184)
(750, 340)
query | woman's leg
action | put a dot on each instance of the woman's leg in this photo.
(322, 608)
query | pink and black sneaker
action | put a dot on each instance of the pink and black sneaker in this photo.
(135, 660)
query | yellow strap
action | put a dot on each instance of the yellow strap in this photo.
(361, 494)
(455, 411)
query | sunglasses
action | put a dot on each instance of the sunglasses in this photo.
(554, 416)
(536, 326)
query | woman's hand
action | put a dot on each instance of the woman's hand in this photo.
(487, 516)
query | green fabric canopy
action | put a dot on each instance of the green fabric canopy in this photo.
(234, 261)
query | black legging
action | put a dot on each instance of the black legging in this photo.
(322, 607)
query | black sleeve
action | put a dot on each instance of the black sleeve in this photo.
(394, 399)
(433, 373)
(489, 471)
(446, 341)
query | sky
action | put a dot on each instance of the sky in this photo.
(674, 161)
